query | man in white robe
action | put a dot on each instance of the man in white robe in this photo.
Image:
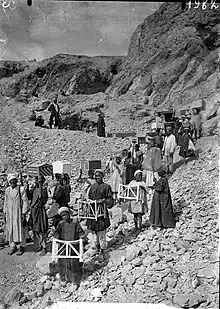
(169, 148)
(15, 209)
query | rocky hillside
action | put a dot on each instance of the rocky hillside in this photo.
(173, 58)
(173, 61)
(69, 73)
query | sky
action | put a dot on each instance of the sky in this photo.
(51, 27)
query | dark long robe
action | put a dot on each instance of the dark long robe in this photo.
(184, 145)
(129, 170)
(101, 127)
(161, 214)
(38, 217)
(70, 269)
(62, 195)
(138, 160)
(54, 116)
(97, 192)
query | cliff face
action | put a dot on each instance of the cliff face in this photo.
(69, 73)
(173, 57)
(173, 61)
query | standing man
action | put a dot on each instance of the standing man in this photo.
(54, 110)
(139, 157)
(169, 147)
(15, 209)
(101, 125)
(38, 217)
(196, 122)
(102, 194)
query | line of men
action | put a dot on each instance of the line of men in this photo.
(17, 204)
(24, 208)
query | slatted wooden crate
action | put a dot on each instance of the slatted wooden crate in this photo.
(40, 170)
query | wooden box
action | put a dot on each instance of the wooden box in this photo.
(87, 165)
(134, 139)
(40, 169)
(141, 140)
(61, 167)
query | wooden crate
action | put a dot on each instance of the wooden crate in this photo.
(141, 140)
(60, 167)
(40, 170)
(87, 165)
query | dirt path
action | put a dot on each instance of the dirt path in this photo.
(17, 270)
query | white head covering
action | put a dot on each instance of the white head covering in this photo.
(63, 209)
(100, 171)
(12, 176)
(137, 172)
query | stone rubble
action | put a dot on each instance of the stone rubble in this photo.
(178, 266)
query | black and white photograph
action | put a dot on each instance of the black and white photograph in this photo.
(109, 154)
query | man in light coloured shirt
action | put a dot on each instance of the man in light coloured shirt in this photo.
(169, 148)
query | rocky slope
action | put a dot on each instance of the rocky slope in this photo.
(173, 58)
(173, 61)
(178, 267)
(172, 64)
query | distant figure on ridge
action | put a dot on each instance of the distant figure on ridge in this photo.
(101, 126)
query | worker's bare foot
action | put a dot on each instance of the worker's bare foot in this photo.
(43, 252)
(12, 251)
(20, 251)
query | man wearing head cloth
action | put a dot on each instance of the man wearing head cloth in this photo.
(102, 194)
(15, 209)
(38, 217)
(161, 213)
(169, 148)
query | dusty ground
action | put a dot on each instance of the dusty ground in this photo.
(189, 252)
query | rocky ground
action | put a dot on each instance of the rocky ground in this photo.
(173, 65)
(178, 267)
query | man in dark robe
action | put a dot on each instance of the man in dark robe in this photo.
(158, 139)
(129, 168)
(55, 118)
(187, 148)
(61, 191)
(60, 198)
(38, 216)
(101, 126)
(138, 160)
(161, 214)
(68, 229)
(102, 194)
(67, 186)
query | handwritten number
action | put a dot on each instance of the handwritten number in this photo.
(189, 4)
(197, 4)
(204, 6)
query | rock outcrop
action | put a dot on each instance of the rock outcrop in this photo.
(173, 57)
(68, 73)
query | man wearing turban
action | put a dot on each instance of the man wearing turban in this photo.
(38, 218)
(102, 194)
(15, 209)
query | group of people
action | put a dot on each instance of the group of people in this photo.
(55, 115)
(24, 209)
(133, 167)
